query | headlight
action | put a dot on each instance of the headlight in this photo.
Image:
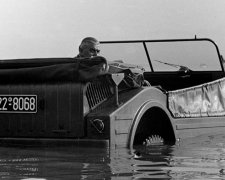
(98, 125)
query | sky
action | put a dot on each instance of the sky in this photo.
(54, 28)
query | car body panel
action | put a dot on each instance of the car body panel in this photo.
(83, 101)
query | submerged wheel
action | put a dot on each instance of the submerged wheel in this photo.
(153, 140)
(154, 128)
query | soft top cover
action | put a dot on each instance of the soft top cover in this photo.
(51, 70)
(203, 100)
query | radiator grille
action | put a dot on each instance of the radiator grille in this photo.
(97, 92)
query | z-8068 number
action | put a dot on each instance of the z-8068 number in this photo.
(18, 103)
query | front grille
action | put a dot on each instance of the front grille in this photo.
(97, 92)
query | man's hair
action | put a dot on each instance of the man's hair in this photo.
(87, 42)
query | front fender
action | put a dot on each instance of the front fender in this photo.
(141, 111)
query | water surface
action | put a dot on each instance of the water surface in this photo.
(202, 157)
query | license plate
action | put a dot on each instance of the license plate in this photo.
(18, 103)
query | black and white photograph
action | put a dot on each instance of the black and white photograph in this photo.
(112, 89)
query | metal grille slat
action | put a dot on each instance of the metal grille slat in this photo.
(97, 92)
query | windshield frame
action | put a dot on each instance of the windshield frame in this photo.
(148, 56)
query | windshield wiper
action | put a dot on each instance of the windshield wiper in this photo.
(181, 68)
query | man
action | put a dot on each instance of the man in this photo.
(89, 47)
(90, 64)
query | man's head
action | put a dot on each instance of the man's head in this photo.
(89, 47)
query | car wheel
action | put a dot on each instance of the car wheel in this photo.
(153, 140)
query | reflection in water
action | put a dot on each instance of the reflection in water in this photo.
(53, 163)
(196, 158)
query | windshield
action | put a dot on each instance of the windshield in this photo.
(197, 55)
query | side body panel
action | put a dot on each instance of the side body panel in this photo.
(192, 127)
(124, 120)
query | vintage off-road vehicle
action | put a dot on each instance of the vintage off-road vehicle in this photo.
(107, 100)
